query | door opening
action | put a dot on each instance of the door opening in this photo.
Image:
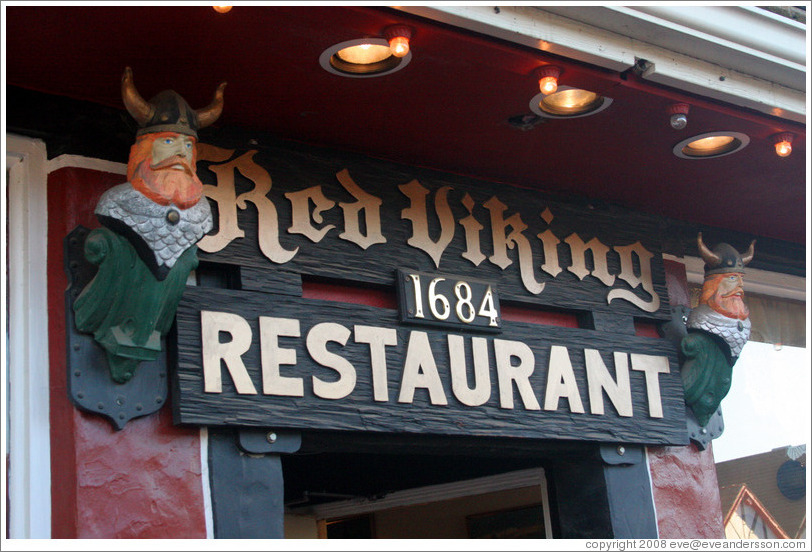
(337, 496)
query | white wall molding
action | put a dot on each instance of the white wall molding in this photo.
(80, 162)
(651, 487)
(28, 369)
(208, 512)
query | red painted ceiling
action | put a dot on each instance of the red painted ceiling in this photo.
(448, 109)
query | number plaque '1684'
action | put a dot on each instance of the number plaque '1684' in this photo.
(447, 300)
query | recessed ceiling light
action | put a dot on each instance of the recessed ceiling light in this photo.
(364, 57)
(711, 144)
(568, 103)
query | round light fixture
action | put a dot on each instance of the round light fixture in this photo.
(398, 37)
(679, 115)
(783, 144)
(365, 57)
(783, 149)
(568, 103)
(548, 79)
(711, 144)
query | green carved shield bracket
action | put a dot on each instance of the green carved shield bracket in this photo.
(697, 377)
(119, 372)
(706, 374)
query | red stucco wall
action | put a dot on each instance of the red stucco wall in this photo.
(686, 493)
(141, 482)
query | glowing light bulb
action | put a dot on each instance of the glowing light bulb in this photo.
(783, 144)
(548, 85)
(398, 37)
(548, 79)
(222, 9)
(783, 148)
(364, 54)
(399, 46)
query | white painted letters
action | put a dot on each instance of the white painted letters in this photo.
(619, 392)
(652, 367)
(420, 370)
(378, 339)
(317, 339)
(211, 324)
(513, 367)
(481, 392)
(508, 373)
(561, 381)
(273, 356)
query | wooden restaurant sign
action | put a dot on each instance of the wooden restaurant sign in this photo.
(455, 251)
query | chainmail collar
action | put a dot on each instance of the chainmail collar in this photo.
(166, 230)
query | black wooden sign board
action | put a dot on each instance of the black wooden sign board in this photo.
(348, 217)
(266, 360)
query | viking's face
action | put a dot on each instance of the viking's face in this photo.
(724, 294)
(162, 167)
(171, 145)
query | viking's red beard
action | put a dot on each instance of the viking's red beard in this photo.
(731, 306)
(164, 185)
(173, 180)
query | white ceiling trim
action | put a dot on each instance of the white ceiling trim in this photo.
(745, 39)
(745, 75)
(763, 282)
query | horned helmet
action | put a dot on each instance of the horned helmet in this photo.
(167, 111)
(724, 257)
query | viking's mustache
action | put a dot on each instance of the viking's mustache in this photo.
(171, 162)
(172, 181)
(731, 305)
(735, 293)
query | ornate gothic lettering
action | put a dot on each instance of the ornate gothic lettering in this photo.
(369, 205)
(362, 225)
(302, 217)
(627, 274)
(599, 252)
(502, 241)
(550, 242)
(416, 213)
(225, 195)
(472, 229)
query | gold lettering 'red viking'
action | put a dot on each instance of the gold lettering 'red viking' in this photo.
(362, 226)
